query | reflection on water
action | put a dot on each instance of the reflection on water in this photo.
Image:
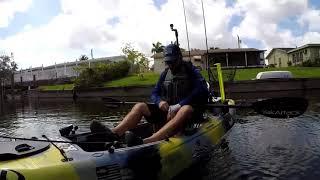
(258, 147)
(35, 118)
(265, 148)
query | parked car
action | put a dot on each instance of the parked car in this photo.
(274, 75)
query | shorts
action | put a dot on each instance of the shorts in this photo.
(159, 116)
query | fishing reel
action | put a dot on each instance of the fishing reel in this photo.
(65, 131)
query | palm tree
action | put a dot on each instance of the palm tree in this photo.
(157, 47)
(83, 57)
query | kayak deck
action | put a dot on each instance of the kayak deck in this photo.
(159, 160)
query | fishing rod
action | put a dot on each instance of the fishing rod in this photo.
(205, 33)
(284, 107)
(210, 74)
(185, 22)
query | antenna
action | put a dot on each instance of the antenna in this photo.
(175, 33)
(185, 21)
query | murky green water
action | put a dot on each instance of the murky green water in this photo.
(258, 147)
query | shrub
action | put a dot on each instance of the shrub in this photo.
(272, 65)
(100, 73)
(289, 63)
(87, 78)
(309, 63)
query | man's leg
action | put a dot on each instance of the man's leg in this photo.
(132, 118)
(171, 127)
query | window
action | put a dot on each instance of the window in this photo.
(262, 55)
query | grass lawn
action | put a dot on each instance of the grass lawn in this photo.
(298, 72)
(134, 80)
(151, 78)
(56, 87)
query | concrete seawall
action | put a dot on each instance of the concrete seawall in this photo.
(301, 87)
(253, 89)
(121, 93)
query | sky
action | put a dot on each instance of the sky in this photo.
(45, 32)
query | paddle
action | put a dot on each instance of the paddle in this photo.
(285, 107)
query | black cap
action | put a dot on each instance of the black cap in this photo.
(171, 53)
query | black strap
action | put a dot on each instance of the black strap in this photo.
(3, 175)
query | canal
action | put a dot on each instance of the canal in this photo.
(257, 147)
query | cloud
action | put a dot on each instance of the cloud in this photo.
(311, 19)
(106, 26)
(261, 21)
(8, 8)
(310, 37)
(83, 25)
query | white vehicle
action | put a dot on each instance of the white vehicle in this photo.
(274, 75)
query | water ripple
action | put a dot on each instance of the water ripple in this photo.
(258, 147)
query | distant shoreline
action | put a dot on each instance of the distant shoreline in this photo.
(250, 89)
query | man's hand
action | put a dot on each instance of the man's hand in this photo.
(174, 108)
(164, 106)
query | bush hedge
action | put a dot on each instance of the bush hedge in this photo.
(101, 73)
(309, 63)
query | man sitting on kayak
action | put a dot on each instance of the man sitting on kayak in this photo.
(180, 85)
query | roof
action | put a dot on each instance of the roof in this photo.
(304, 46)
(285, 49)
(112, 58)
(281, 49)
(211, 51)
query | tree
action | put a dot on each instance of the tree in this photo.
(136, 58)
(7, 68)
(157, 47)
(83, 57)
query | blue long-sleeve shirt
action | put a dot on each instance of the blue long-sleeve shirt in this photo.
(198, 95)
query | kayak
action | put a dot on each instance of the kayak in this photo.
(85, 156)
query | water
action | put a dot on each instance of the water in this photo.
(35, 118)
(258, 147)
(264, 148)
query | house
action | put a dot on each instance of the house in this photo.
(307, 52)
(282, 57)
(58, 71)
(240, 57)
(279, 57)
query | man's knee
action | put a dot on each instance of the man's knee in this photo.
(140, 108)
(187, 109)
